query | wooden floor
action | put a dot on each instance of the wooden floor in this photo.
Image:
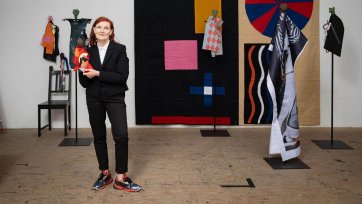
(177, 165)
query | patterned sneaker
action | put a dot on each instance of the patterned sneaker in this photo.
(126, 185)
(102, 181)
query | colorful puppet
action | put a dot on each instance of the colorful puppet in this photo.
(81, 57)
(63, 62)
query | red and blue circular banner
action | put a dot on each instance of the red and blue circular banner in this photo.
(263, 14)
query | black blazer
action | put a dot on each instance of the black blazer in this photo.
(113, 74)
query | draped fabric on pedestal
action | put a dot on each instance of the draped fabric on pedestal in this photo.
(286, 46)
(212, 37)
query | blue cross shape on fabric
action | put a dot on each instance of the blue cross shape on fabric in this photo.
(206, 90)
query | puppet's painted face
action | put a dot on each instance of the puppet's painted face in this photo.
(214, 13)
(75, 13)
(102, 31)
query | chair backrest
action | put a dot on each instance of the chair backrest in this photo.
(59, 84)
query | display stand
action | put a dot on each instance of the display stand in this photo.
(214, 132)
(213, 44)
(76, 141)
(275, 159)
(77, 32)
(331, 144)
(333, 44)
(277, 163)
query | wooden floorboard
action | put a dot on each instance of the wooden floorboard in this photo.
(178, 165)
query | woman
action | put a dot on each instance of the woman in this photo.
(105, 91)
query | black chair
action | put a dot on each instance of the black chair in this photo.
(59, 93)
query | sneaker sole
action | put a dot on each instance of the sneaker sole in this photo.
(125, 189)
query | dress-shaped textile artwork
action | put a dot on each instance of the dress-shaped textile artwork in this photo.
(48, 38)
(50, 41)
(78, 27)
(286, 46)
(212, 37)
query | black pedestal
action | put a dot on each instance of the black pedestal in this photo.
(328, 144)
(277, 163)
(76, 142)
(214, 133)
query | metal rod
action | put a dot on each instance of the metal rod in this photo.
(214, 92)
(332, 101)
(76, 108)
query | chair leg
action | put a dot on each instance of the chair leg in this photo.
(50, 118)
(39, 119)
(65, 122)
(69, 118)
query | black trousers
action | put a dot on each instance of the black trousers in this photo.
(115, 108)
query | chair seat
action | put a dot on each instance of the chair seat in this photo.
(54, 104)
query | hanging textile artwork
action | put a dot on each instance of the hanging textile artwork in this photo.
(258, 106)
(263, 15)
(78, 27)
(50, 41)
(212, 37)
(286, 46)
(176, 82)
(335, 32)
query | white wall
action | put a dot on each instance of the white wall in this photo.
(23, 71)
(347, 68)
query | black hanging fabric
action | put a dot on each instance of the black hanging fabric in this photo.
(335, 34)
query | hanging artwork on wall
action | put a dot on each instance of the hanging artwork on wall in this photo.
(50, 41)
(174, 76)
(255, 27)
(263, 15)
(203, 10)
(258, 106)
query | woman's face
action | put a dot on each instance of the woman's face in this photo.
(102, 31)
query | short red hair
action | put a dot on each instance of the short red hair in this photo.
(93, 39)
